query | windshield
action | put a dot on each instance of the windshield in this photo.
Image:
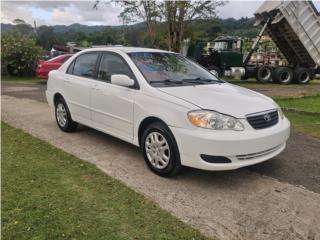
(220, 46)
(170, 69)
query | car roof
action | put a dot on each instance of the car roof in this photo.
(125, 49)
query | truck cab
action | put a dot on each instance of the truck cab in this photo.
(219, 55)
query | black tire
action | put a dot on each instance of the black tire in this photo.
(264, 74)
(216, 69)
(69, 125)
(173, 167)
(283, 75)
(302, 75)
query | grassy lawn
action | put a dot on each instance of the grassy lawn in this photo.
(14, 79)
(280, 91)
(50, 194)
(307, 104)
(302, 121)
(305, 123)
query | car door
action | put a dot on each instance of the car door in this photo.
(112, 105)
(77, 83)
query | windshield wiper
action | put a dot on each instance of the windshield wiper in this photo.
(200, 80)
(167, 81)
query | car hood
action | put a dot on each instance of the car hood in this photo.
(224, 98)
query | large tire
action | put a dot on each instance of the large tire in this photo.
(302, 75)
(264, 74)
(63, 116)
(160, 150)
(216, 71)
(283, 75)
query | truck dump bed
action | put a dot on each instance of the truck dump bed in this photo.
(295, 29)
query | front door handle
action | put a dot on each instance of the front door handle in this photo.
(95, 87)
(67, 80)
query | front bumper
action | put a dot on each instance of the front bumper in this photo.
(243, 148)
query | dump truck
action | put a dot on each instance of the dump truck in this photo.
(294, 26)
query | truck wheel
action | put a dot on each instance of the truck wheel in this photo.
(301, 75)
(264, 74)
(215, 71)
(282, 75)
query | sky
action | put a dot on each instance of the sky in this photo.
(69, 12)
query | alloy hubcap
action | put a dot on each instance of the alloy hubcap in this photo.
(61, 115)
(157, 150)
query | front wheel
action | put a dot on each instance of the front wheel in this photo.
(160, 150)
(63, 116)
(264, 74)
(216, 71)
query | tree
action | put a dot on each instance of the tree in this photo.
(22, 27)
(147, 11)
(176, 14)
(179, 13)
(19, 53)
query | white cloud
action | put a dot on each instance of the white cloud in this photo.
(238, 9)
(60, 12)
(68, 12)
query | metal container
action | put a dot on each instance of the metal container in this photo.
(295, 28)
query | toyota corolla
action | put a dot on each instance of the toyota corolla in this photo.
(177, 112)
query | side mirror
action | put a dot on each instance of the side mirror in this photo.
(122, 80)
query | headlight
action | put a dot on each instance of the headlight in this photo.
(214, 120)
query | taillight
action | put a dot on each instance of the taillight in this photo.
(39, 66)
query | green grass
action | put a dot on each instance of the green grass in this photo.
(307, 104)
(305, 123)
(50, 194)
(14, 79)
(306, 119)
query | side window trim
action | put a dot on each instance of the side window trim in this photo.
(136, 84)
(70, 67)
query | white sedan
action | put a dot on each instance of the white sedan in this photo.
(177, 112)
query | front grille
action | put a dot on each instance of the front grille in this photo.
(263, 119)
(258, 154)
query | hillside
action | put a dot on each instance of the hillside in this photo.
(241, 27)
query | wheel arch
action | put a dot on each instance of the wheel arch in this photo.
(56, 96)
(145, 123)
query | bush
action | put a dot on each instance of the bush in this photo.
(19, 54)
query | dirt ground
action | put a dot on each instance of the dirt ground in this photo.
(241, 204)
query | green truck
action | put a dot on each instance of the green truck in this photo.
(294, 26)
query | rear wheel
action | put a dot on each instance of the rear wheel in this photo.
(283, 75)
(264, 74)
(63, 116)
(301, 75)
(160, 150)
